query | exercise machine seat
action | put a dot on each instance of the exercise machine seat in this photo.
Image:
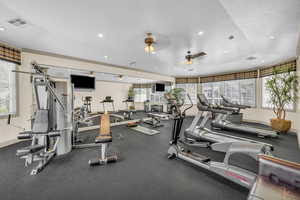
(103, 139)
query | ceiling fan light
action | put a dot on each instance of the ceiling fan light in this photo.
(189, 62)
(149, 48)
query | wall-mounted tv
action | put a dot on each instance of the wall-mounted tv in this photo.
(159, 87)
(83, 82)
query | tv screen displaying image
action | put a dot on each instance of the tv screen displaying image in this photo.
(160, 87)
(83, 82)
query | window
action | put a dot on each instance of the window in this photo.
(7, 88)
(141, 94)
(238, 91)
(266, 96)
(191, 89)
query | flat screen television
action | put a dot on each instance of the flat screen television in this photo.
(83, 82)
(159, 87)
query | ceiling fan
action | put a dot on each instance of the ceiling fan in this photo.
(189, 57)
(149, 41)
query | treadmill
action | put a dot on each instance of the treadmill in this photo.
(201, 136)
(221, 122)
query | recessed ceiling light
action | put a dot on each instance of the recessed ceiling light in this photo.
(100, 35)
(200, 33)
(105, 57)
(225, 52)
(262, 61)
(2, 28)
(272, 37)
(251, 58)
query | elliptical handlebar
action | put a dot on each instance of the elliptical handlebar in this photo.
(175, 105)
(191, 105)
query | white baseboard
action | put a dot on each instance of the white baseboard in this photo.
(8, 142)
(265, 123)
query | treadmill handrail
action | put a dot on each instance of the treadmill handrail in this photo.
(205, 106)
(227, 103)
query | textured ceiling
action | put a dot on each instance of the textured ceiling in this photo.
(267, 30)
(64, 73)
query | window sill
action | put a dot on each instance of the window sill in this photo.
(288, 110)
(5, 116)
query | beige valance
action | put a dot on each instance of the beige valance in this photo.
(10, 54)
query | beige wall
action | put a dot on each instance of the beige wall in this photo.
(118, 91)
(24, 100)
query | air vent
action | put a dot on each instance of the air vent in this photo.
(231, 37)
(251, 58)
(133, 63)
(17, 22)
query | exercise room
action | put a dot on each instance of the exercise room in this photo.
(161, 100)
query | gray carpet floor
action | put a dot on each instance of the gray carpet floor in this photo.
(142, 171)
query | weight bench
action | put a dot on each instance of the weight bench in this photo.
(104, 139)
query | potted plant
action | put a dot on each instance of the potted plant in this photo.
(283, 89)
(130, 93)
(178, 95)
(130, 97)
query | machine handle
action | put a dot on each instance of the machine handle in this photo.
(8, 119)
(191, 105)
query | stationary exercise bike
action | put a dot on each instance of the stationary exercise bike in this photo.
(243, 173)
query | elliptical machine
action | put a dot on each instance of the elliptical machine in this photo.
(87, 103)
(243, 173)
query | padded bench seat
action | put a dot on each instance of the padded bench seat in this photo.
(103, 139)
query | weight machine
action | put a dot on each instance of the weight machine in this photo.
(51, 129)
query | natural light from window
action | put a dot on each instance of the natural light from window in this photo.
(7, 88)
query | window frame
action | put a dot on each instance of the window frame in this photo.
(239, 83)
(15, 113)
(185, 99)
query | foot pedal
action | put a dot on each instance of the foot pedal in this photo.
(171, 156)
(195, 143)
(197, 157)
(30, 149)
(24, 137)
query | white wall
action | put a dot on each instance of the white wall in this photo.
(8, 134)
(118, 92)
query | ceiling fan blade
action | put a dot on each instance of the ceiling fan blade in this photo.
(198, 54)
